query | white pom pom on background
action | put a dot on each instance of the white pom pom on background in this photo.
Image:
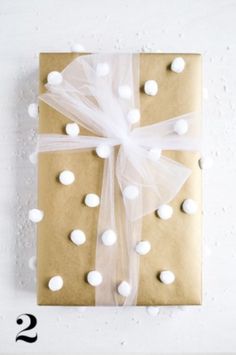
(125, 92)
(94, 278)
(33, 157)
(33, 110)
(133, 116)
(35, 215)
(108, 237)
(32, 263)
(178, 65)
(124, 289)
(102, 69)
(66, 177)
(72, 129)
(164, 212)
(131, 192)
(167, 277)
(151, 87)
(92, 200)
(181, 127)
(143, 247)
(205, 162)
(189, 206)
(77, 48)
(54, 78)
(103, 150)
(78, 237)
(153, 310)
(55, 283)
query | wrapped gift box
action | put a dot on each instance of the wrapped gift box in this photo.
(176, 243)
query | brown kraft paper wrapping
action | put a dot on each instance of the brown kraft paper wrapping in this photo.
(176, 243)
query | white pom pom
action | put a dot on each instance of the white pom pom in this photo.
(94, 278)
(33, 157)
(178, 65)
(109, 237)
(154, 154)
(72, 129)
(55, 78)
(32, 262)
(125, 92)
(143, 247)
(181, 127)
(35, 215)
(167, 277)
(77, 48)
(153, 310)
(124, 289)
(78, 237)
(205, 163)
(92, 200)
(133, 116)
(189, 206)
(102, 69)
(55, 283)
(66, 177)
(131, 192)
(165, 212)
(33, 110)
(103, 150)
(150, 87)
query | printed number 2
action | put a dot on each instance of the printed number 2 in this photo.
(32, 324)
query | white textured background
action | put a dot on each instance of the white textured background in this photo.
(28, 27)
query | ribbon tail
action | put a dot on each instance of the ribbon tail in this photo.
(132, 235)
(118, 262)
(61, 142)
(106, 256)
(162, 135)
(128, 260)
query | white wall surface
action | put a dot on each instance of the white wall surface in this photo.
(28, 27)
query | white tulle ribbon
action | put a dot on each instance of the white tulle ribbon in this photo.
(90, 96)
